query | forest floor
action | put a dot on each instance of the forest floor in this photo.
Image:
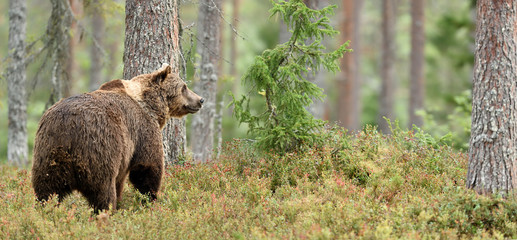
(367, 185)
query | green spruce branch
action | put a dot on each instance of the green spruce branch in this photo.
(282, 122)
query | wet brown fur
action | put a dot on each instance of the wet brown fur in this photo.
(92, 142)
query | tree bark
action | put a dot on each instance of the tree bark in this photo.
(75, 37)
(203, 122)
(349, 82)
(493, 142)
(152, 38)
(17, 148)
(417, 92)
(96, 53)
(58, 33)
(387, 96)
(233, 43)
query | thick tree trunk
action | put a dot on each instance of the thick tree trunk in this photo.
(17, 148)
(96, 54)
(152, 38)
(417, 93)
(203, 122)
(387, 96)
(493, 141)
(349, 83)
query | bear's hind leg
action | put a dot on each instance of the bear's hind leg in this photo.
(43, 196)
(147, 180)
(46, 187)
(102, 198)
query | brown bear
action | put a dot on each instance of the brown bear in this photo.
(93, 141)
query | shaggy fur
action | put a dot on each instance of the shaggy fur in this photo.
(92, 142)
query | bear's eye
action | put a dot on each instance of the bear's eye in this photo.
(184, 89)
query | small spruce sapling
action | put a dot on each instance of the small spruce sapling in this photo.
(282, 123)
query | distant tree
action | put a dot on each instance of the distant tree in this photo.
(96, 47)
(317, 108)
(208, 37)
(349, 82)
(152, 38)
(416, 76)
(493, 153)
(58, 44)
(233, 43)
(388, 87)
(72, 68)
(17, 148)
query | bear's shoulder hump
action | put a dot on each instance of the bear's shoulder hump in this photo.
(113, 85)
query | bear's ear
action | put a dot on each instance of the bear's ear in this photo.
(161, 74)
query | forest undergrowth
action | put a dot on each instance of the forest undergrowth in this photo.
(406, 185)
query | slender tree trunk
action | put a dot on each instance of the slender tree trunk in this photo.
(203, 122)
(17, 148)
(349, 84)
(218, 118)
(233, 42)
(493, 141)
(387, 96)
(417, 93)
(96, 53)
(152, 38)
(59, 43)
(75, 38)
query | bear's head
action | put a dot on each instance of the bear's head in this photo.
(164, 94)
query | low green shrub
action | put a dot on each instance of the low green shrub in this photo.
(364, 186)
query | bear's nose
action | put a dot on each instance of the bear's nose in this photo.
(202, 100)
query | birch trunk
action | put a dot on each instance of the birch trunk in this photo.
(17, 148)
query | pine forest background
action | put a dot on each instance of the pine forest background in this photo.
(448, 51)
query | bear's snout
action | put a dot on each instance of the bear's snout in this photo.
(202, 100)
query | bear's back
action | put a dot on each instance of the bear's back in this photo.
(97, 125)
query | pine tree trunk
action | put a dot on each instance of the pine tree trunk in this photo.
(96, 55)
(417, 93)
(349, 83)
(387, 96)
(493, 141)
(203, 122)
(17, 148)
(152, 38)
